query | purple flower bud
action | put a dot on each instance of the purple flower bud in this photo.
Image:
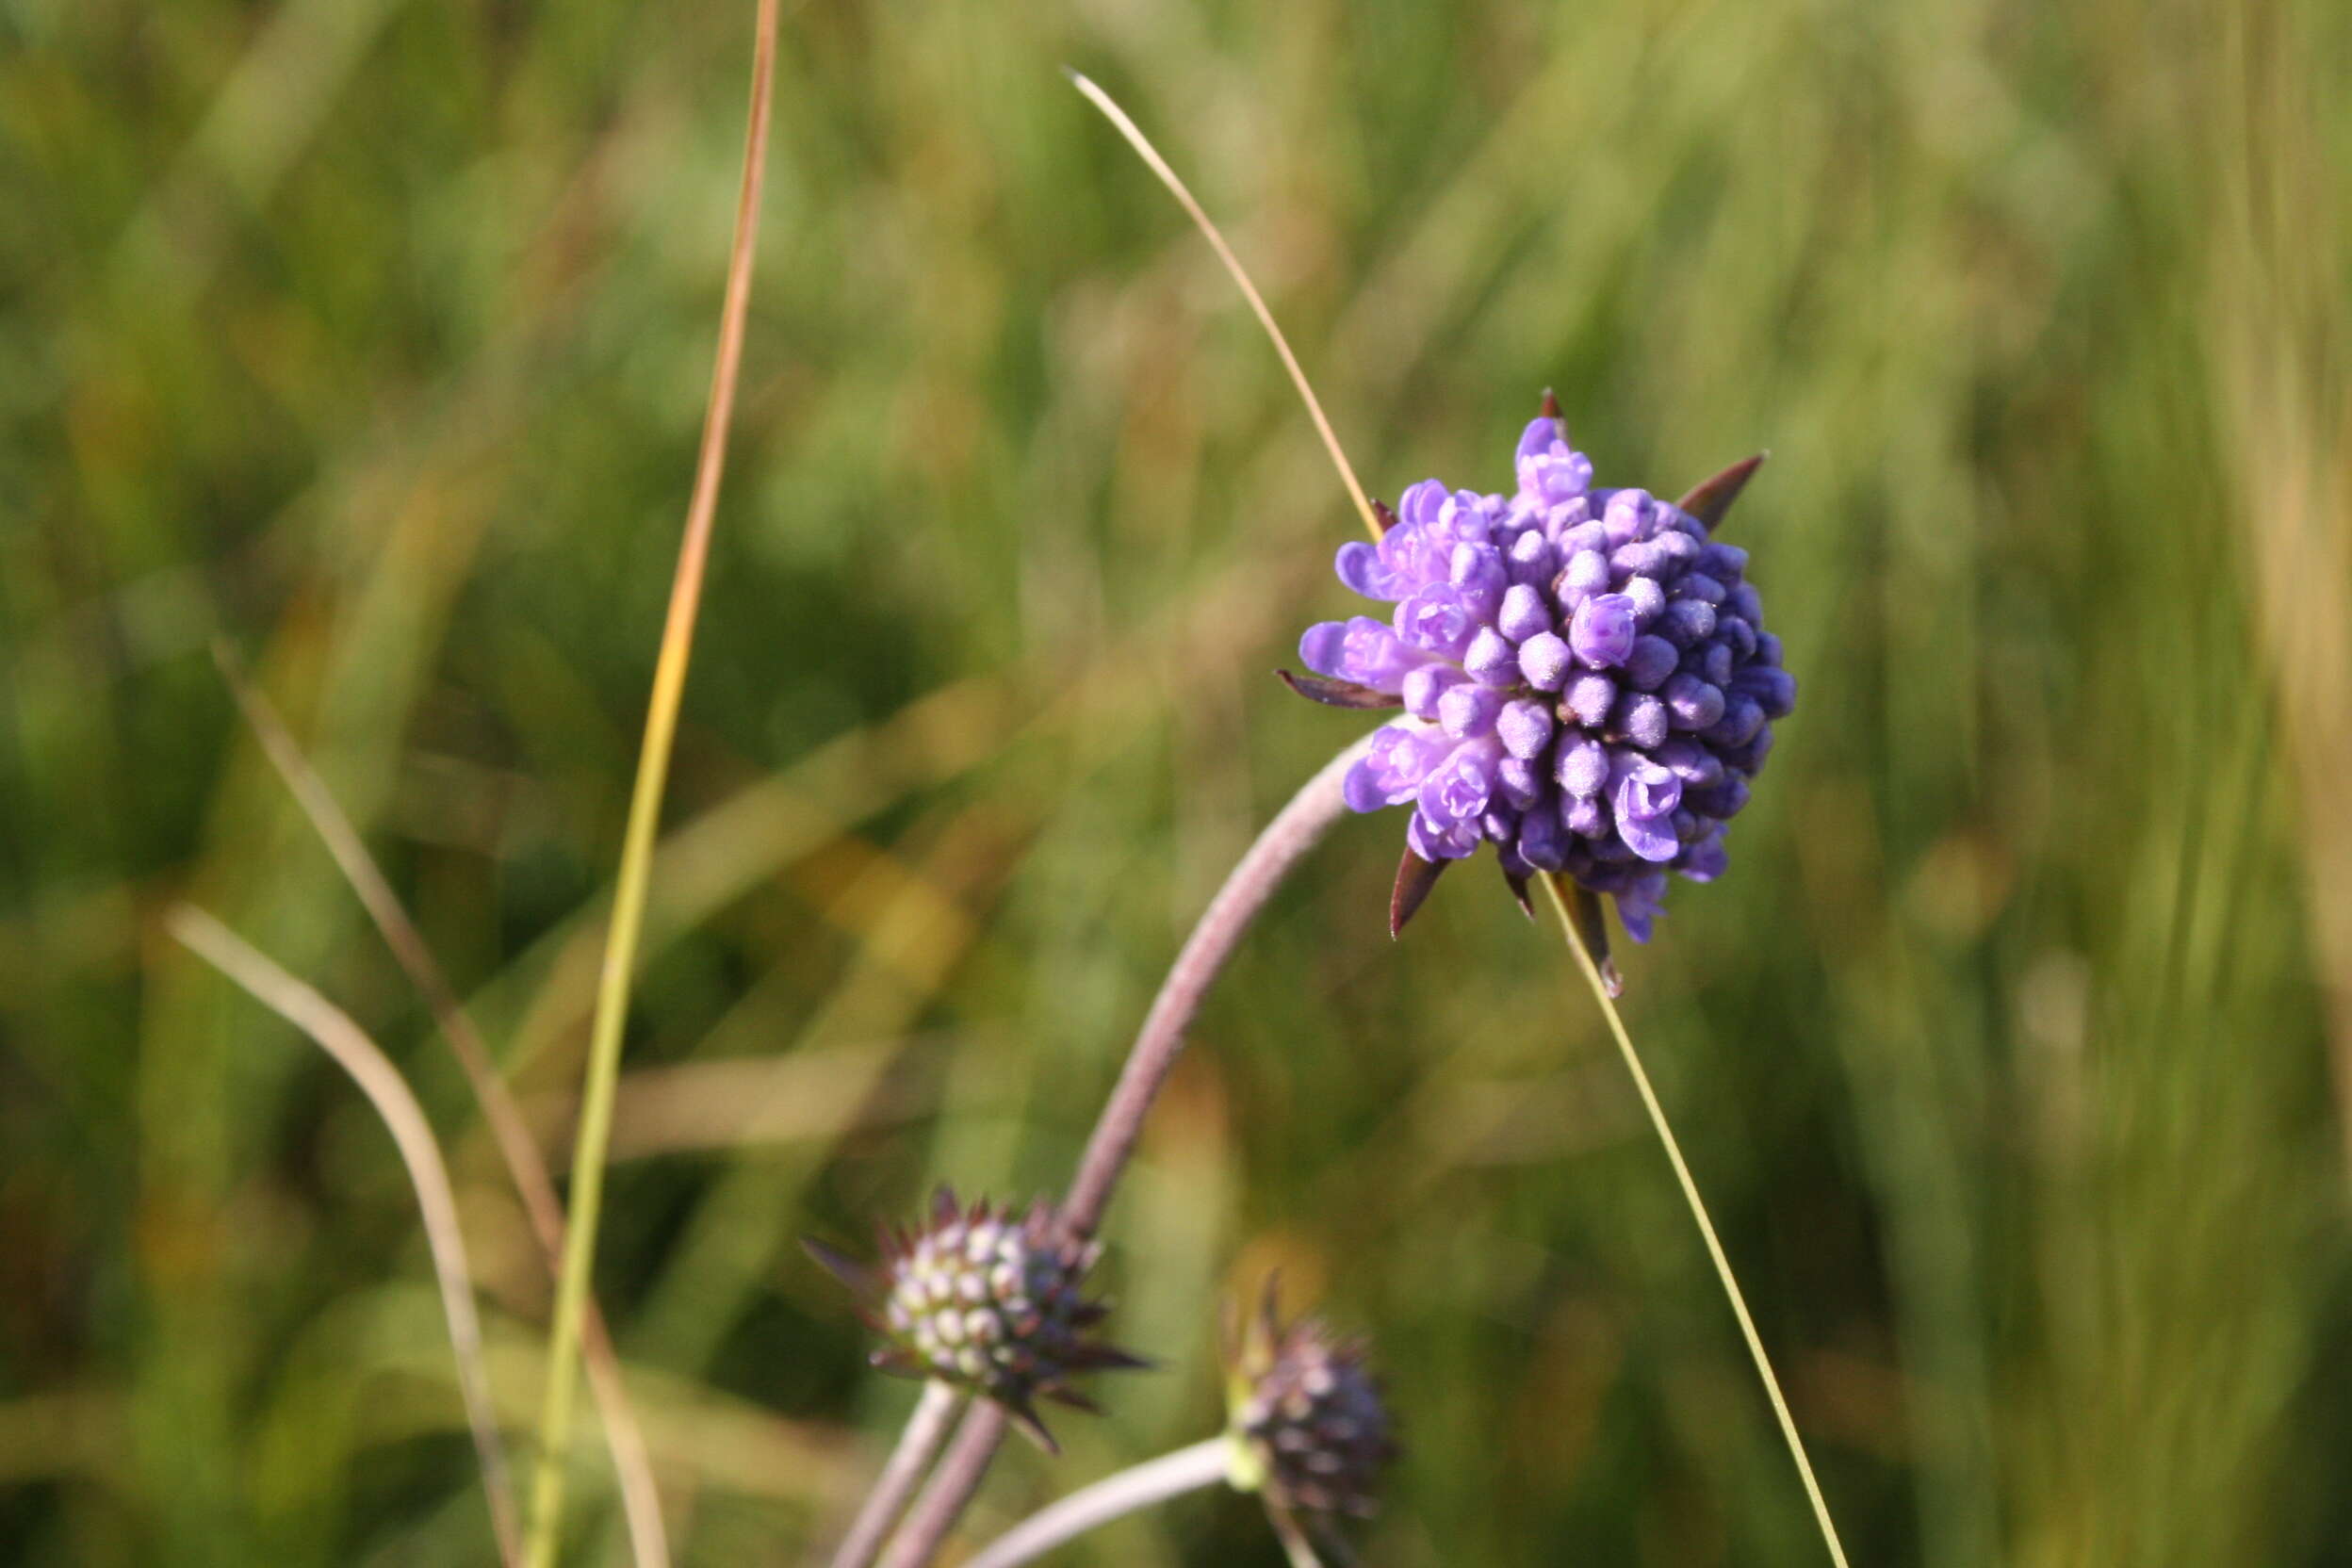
(1749, 759)
(1436, 620)
(1361, 568)
(1435, 842)
(1742, 717)
(1725, 563)
(1677, 550)
(1603, 631)
(1524, 612)
(1767, 647)
(1627, 515)
(1419, 505)
(1685, 622)
(1390, 772)
(1464, 516)
(1458, 789)
(1640, 718)
(1492, 659)
(1467, 712)
(1531, 558)
(1586, 573)
(1541, 438)
(1476, 573)
(1422, 688)
(1360, 650)
(1705, 859)
(1525, 728)
(1518, 782)
(1543, 841)
(1689, 761)
(1549, 469)
(1575, 540)
(1649, 599)
(1775, 690)
(1640, 904)
(1589, 696)
(1696, 704)
(1583, 766)
(1640, 792)
(1722, 801)
(1695, 585)
(1652, 661)
(1586, 816)
(1712, 660)
(1639, 559)
(1545, 659)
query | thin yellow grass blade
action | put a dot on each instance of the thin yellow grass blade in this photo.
(1159, 166)
(412, 1135)
(645, 813)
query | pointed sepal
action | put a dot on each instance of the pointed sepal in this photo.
(861, 1280)
(1339, 694)
(1025, 1416)
(1591, 928)
(1384, 516)
(1518, 886)
(1414, 878)
(1710, 499)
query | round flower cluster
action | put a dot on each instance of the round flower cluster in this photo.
(987, 1299)
(1307, 1420)
(1586, 678)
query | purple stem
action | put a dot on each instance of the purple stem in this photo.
(1296, 829)
(926, 1429)
(952, 1486)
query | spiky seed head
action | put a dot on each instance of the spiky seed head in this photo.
(1308, 1427)
(987, 1299)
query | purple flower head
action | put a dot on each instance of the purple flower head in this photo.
(1584, 675)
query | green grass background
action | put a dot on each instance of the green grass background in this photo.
(373, 335)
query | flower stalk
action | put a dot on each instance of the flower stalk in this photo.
(1566, 898)
(1285, 840)
(1203, 1464)
(918, 1446)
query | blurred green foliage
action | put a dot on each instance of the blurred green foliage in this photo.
(373, 336)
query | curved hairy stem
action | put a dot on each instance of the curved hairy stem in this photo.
(1296, 829)
(918, 1446)
(1562, 892)
(1138, 1487)
(645, 813)
(951, 1487)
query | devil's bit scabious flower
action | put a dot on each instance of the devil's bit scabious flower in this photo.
(987, 1300)
(1585, 673)
(1307, 1425)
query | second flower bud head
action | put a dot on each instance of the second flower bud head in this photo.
(1306, 1418)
